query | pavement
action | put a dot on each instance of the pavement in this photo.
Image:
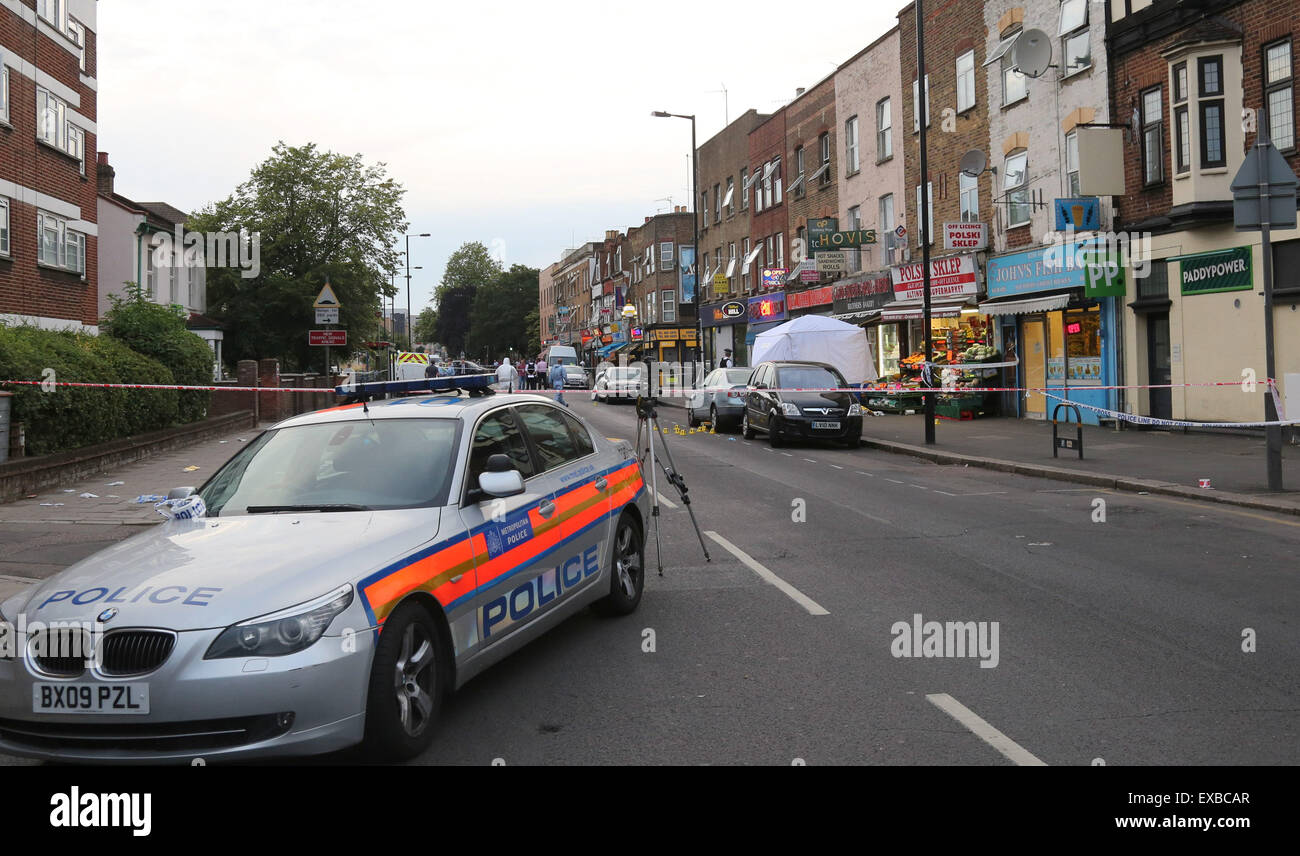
(43, 533)
(1170, 463)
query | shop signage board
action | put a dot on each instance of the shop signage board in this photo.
(773, 277)
(841, 240)
(767, 307)
(819, 226)
(966, 236)
(862, 294)
(1051, 268)
(720, 282)
(1215, 271)
(327, 338)
(831, 261)
(950, 276)
(1081, 215)
(721, 314)
(811, 297)
(810, 275)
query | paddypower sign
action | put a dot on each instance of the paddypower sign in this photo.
(1219, 270)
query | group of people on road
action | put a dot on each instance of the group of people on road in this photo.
(532, 375)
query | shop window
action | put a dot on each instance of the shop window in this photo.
(1083, 345)
(1155, 285)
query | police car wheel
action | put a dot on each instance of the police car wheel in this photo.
(406, 683)
(627, 577)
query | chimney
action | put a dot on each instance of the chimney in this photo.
(647, 220)
(104, 175)
(800, 91)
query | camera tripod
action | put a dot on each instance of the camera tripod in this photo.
(647, 420)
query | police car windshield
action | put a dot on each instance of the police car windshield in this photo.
(338, 466)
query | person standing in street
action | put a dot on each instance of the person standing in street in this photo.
(530, 374)
(726, 362)
(543, 376)
(507, 376)
(557, 383)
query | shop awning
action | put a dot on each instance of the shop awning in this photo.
(755, 329)
(904, 310)
(857, 317)
(1025, 307)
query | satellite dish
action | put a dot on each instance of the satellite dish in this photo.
(1032, 53)
(973, 163)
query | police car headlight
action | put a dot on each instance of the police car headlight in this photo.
(285, 632)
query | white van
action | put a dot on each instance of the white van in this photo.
(564, 355)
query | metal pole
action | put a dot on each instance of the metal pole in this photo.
(1273, 433)
(408, 293)
(921, 106)
(695, 220)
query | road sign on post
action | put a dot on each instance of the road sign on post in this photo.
(326, 299)
(327, 338)
(327, 316)
(1263, 196)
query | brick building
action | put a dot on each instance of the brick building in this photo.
(1192, 81)
(653, 254)
(573, 277)
(812, 152)
(547, 321)
(48, 219)
(725, 212)
(769, 231)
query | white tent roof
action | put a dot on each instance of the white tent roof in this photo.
(818, 338)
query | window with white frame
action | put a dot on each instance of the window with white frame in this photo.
(4, 227)
(854, 223)
(885, 225)
(53, 11)
(666, 255)
(1076, 48)
(77, 33)
(1153, 137)
(705, 206)
(1279, 94)
(747, 267)
(797, 187)
(965, 81)
(823, 173)
(1182, 122)
(728, 201)
(1072, 162)
(779, 241)
(916, 105)
(884, 131)
(51, 119)
(717, 203)
(59, 246)
(4, 89)
(1014, 85)
(968, 193)
(732, 266)
(1210, 79)
(1015, 184)
(929, 211)
(670, 306)
(744, 188)
(776, 181)
(851, 145)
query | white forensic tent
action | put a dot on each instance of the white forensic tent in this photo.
(820, 339)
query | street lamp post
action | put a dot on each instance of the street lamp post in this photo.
(408, 285)
(695, 221)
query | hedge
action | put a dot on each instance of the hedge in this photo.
(159, 332)
(71, 417)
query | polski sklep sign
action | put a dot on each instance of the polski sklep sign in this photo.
(966, 236)
(1215, 271)
(950, 276)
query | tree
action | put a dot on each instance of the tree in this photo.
(499, 318)
(426, 325)
(533, 325)
(321, 217)
(468, 269)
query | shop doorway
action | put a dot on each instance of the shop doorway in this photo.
(1158, 367)
(1034, 355)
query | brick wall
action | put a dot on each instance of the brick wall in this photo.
(26, 288)
(767, 141)
(721, 158)
(806, 119)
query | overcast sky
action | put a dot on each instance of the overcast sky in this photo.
(524, 126)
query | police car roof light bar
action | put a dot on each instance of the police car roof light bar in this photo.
(473, 384)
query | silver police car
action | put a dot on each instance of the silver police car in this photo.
(333, 581)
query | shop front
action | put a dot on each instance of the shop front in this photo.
(1058, 318)
(765, 312)
(670, 344)
(814, 301)
(725, 326)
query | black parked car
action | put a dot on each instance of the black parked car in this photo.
(785, 415)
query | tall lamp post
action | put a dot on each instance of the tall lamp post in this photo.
(695, 220)
(923, 207)
(408, 285)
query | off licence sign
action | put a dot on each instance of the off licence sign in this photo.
(966, 236)
(331, 338)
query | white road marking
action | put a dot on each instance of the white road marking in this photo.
(665, 500)
(985, 493)
(837, 466)
(793, 593)
(787, 454)
(920, 487)
(1014, 752)
(1066, 490)
(895, 481)
(861, 473)
(810, 460)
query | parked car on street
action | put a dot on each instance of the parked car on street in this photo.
(575, 377)
(619, 383)
(777, 404)
(719, 399)
(328, 586)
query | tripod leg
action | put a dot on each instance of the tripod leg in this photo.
(654, 484)
(676, 480)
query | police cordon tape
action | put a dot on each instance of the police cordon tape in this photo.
(1171, 423)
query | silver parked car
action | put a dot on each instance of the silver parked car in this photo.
(335, 579)
(719, 399)
(619, 383)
